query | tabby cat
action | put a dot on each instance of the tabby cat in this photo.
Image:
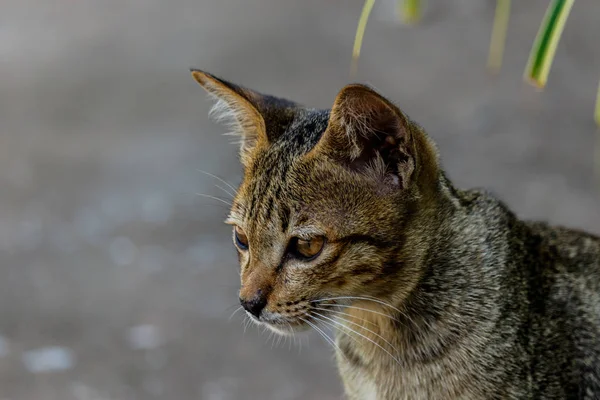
(345, 218)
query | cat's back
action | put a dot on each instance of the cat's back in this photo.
(571, 255)
(564, 297)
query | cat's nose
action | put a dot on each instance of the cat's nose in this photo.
(254, 305)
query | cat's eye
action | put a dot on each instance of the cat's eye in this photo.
(307, 249)
(241, 240)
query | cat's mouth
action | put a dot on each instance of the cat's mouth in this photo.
(290, 317)
(283, 325)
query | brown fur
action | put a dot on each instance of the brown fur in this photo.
(436, 293)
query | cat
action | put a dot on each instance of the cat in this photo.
(345, 218)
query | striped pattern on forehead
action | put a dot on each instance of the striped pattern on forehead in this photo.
(268, 183)
(269, 171)
(304, 132)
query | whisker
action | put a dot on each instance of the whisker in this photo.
(290, 337)
(218, 178)
(235, 312)
(363, 298)
(362, 327)
(347, 331)
(333, 327)
(297, 341)
(247, 322)
(231, 307)
(403, 313)
(362, 309)
(215, 198)
(324, 335)
(346, 314)
(361, 335)
(226, 191)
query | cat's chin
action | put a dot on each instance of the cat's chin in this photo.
(280, 324)
(286, 330)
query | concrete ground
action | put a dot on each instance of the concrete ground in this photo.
(117, 280)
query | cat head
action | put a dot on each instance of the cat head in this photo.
(329, 203)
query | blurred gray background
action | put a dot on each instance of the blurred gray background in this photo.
(117, 280)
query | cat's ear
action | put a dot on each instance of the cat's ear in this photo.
(368, 133)
(239, 108)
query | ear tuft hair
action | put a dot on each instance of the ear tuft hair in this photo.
(237, 108)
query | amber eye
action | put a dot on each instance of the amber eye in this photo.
(307, 249)
(241, 240)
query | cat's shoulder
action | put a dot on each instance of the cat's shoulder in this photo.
(574, 248)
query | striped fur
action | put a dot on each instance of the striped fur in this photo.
(436, 293)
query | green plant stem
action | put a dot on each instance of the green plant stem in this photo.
(597, 157)
(409, 11)
(498, 40)
(546, 41)
(360, 33)
(597, 109)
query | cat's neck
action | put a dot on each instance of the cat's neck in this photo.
(454, 264)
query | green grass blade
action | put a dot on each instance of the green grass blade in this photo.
(360, 33)
(597, 157)
(597, 110)
(546, 41)
(597, 152)
(409, 11)
(498, 40)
